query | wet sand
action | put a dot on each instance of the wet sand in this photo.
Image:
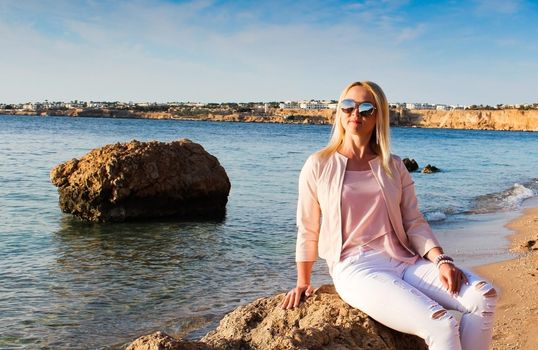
(516, 321)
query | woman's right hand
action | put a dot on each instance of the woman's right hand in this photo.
(293, 297)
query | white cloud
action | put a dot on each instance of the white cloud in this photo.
(166, 51)
(154, 53)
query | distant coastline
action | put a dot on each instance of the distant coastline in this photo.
(473, 119)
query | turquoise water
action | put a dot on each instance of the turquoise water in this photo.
(68, 284)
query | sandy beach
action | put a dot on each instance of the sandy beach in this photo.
(516, 322)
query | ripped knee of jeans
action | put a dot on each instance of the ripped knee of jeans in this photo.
(488, 306)
(490, 293)
(442, 318)
(438, 314)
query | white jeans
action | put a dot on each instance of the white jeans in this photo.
(411, 299)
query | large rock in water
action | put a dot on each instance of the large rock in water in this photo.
(323, 321)
(410, 164)
(138, 180)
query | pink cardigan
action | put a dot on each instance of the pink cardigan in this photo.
(320, 188)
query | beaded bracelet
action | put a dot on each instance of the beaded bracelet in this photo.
(442, 257)
(445, 261)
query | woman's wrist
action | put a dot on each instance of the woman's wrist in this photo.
(441, 257)
(304, 271)
(438, 257)
(442, 262)
(433, 253)
(303, 281)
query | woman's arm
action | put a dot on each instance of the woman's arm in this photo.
(308, 225)
(308, 214)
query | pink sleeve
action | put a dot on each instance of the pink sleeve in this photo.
(417, 228)
(308, 214)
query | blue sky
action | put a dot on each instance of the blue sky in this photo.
(455, 52)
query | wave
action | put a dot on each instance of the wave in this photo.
(435, 216)
(509, 199)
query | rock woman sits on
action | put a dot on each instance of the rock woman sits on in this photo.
(358, 210)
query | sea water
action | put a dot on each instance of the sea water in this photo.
(67, 284)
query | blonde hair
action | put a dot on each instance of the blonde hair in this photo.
(380, 139)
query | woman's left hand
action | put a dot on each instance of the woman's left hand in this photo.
(452, 278)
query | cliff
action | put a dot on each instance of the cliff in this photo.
(505, 119)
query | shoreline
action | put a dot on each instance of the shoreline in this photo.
(516, 280)
(479, 240)
(500, 120)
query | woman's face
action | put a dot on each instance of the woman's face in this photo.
(354, 123)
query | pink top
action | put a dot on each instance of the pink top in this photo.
(365, 218)
(320, 195)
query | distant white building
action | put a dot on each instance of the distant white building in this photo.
(419, 106)
(94, 104)
(30, 106)
(313, 105)
(194, 104)
(289, 105)
(75, 104)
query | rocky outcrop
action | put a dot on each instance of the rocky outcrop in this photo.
(505, 119)
(139, 180)
(429, 169)
(162, 341)
(323, 321)
(410, 164)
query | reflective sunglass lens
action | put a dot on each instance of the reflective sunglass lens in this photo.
(347, 104)
(366, 109)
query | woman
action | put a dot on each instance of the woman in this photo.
(382, 255)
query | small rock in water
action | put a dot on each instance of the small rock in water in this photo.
(143, 180)
(410, 164)
(428, 169)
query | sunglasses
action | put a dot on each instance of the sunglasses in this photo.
(364, 109)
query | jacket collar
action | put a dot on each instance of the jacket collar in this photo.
(374, 163)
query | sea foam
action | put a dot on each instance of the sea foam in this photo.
(508, 199)
(435, 216)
